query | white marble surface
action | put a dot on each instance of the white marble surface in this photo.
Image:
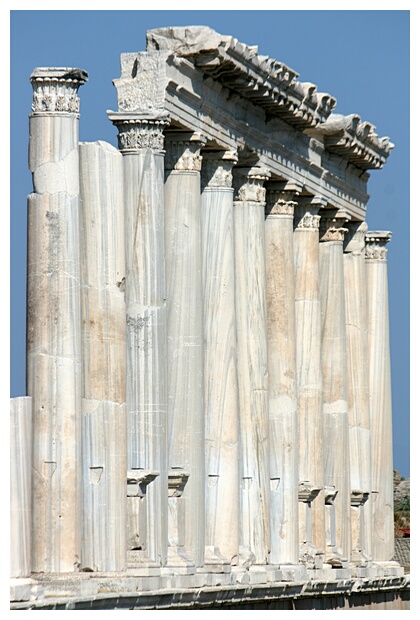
(282, 397)
(54, 342)
(20, 485)
(104, 358)
(251, 321)
(145, 296)
(220, 376)
(380, 396)
(185, 332)
(334, 379)
(309, 365)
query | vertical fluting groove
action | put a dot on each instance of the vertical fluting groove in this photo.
(104, 468)
(54, 321)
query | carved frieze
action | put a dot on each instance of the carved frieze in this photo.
(55, 90)
(375, 244)
(248, 184)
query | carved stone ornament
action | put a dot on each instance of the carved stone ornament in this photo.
(307, 220)
(307, 492)
(331, 226)
(183, 153)
(177, 479)
(216, 170)
(136, 134)
(55, 90)
(358, 498)
(355, 238)
(280, 202)
(249, 184)
(375, 244)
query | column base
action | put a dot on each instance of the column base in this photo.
(214, 561)
(389, 569)
(25, 589)
(177, 561)
(310, 556)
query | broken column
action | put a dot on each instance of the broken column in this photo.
(251, 321)
(54, 319)
(185, 342)
(104, 430)
(220, 373)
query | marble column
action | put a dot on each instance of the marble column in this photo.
(334, 379)
(282, 397)
(309, 374)
(220, 372)
(54, 320)
(20, 485)
(141, 142)
(251, 321)
(380, 395)
(358, 392)
(185, 341)
(104, 466)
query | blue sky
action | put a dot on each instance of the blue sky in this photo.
(361, 58)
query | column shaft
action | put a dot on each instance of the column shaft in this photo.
(185, 332)
(220, 373)
(251, 321)
(334, 377)
(380, 395)
(104, 430)
(282, 400)
(54, 320)
(358, 390)
(309, 367)
(141, 143)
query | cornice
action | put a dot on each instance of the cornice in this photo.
(355, 140)
(265, 81)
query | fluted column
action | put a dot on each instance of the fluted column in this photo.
(334, 379)
(309, 377)
(251, 321)
(54, 319)
(380, 395)
(104, 446)
(282, 398)
(220, 372)
(141, 142)
(20, 485)
(358, 392)
(185, 340)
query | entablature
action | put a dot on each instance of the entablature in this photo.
(223, 89)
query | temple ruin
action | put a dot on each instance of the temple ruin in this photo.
(208, 414)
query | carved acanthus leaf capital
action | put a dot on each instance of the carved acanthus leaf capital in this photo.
(216, 169)
(249, 184)
(137, 133)
(331, 225)
(281, 200)
(376, 241)
(183, 151)
(55, 90)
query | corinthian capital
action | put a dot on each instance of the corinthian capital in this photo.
(331, 226)
(281, 199)
(249, 184)
(137, 132)
(376, 241)
(216, 170)
(55, 90)
(183, 151)
(354, 241)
